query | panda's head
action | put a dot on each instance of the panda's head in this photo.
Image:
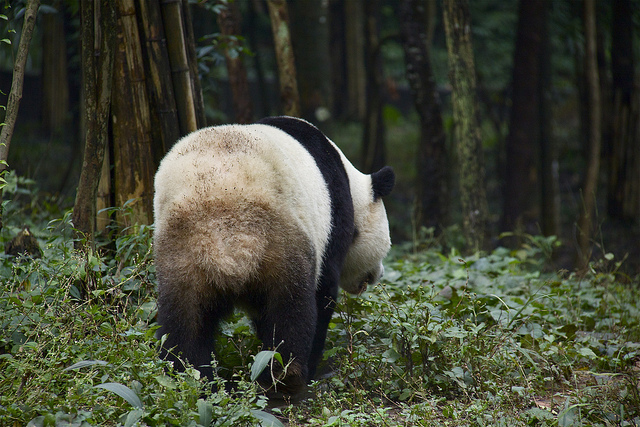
(371, 241)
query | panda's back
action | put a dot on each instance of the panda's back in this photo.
(228, 196)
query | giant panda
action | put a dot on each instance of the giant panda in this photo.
(269, 217)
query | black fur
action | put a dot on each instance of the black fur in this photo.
(342, 222)
(383, 182)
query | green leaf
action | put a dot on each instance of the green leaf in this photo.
(391, 355)
(261, 361)
(518, 389)
(166, 381)
(123, 391)
(266, 419)
(406, 394)
(587, 352)
(84, 363)
(205, 412)
(537, 414)
(332, 421)
(40, 421)
(569, 330)
(133, 417)
(455, 332)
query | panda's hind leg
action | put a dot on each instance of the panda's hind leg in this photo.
(286, 323)
(190, 325)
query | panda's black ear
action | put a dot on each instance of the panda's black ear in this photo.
(382, 182)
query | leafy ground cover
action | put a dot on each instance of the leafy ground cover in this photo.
(492, 339)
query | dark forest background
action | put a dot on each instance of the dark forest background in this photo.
(557, 122)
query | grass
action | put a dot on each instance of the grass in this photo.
(491, 339)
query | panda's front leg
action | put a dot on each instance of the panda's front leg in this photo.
(287, 323)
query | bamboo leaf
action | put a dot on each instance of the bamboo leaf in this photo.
(85, 363)
(124, 392)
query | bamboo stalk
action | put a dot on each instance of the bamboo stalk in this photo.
(178, 57)
(192, 58)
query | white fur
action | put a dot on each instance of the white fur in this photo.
(260, 163)
(364, 259)
(254, 163)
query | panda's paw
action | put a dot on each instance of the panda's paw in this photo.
(278, 383)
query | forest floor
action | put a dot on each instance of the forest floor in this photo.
(509, 337)
(490, 339)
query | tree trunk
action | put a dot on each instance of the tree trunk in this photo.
(432, 198)
(289, 95)
(133, 159)
(356, 71)
(55, 85)
(13, 102)
(549, 179)
(373, 156)
(430, 16)
(179, 59)
(310, 32)
(457, 25)
(165, 125)
(98, 29)
(623, 201)
(15, 95)
(338, 62)
(521, 185)
(264, 106)
(585, 221)
(104, 196)
(229, 21)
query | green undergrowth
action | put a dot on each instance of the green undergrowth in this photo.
(489, 339)
(486, 340)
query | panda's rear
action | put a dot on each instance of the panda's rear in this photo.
(246, 216)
